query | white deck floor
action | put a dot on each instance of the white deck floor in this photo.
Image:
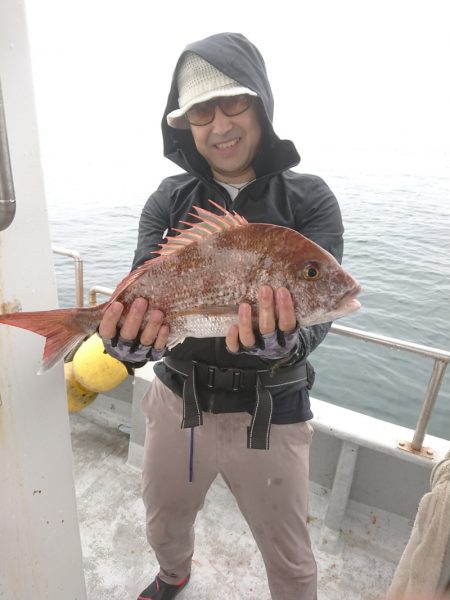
(227, 566)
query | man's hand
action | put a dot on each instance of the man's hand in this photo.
(276, 312)
(153, 339)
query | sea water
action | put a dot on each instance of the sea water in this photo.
(397, 244)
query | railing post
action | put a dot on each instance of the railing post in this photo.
(427, 407)
(98, 289)
(79, 284)
(330, 538)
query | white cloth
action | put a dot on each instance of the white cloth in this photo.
(423, 568)
(233, 189)
(199, 81)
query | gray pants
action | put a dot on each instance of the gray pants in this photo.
(270, 487)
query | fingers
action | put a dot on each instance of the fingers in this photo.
(161, 339)
(245, 326)
(242, 332)
(232, 339)
(108, 324)
(154, 334)
(133, 321)
(266, 310)
(275, 310)
(286, 314)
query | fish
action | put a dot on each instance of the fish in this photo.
(201, 275)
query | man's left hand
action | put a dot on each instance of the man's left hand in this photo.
(276, 323)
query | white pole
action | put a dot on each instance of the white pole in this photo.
(40, 550)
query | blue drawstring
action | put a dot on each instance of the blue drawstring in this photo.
(191, 455)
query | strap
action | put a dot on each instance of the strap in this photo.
(259, 431)
(284, 376)
(192, 414)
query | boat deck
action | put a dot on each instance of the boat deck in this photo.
(118, 562)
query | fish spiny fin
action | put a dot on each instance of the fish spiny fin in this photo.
(134, 276)
(209, 224)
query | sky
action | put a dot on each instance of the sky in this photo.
(348, 77)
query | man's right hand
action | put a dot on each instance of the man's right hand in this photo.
(126, 347)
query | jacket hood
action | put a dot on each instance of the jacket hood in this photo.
(237, 57)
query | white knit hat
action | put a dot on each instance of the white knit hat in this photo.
(198, 81)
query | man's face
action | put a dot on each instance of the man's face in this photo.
(229, 144)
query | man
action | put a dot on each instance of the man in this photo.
(218, 127)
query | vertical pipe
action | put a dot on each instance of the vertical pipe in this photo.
(79, 283)
(7, 195)
(428, 403)
(78, 263)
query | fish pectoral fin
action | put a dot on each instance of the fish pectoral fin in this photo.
(173, 341)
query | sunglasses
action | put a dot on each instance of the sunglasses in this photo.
(203, 113)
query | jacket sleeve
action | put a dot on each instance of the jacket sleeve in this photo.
(153, 224)
(319, 219)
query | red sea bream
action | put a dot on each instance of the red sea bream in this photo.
(202, 275)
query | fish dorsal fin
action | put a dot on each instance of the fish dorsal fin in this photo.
(209, 224)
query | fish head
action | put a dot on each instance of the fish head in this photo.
(322, 289)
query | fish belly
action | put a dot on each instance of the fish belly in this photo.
(200, 326)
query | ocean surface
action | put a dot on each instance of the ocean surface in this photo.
(397, 244)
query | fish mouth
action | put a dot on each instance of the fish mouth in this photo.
(346, 305)
(348, 302)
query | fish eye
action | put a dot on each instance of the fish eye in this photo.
(311, 271)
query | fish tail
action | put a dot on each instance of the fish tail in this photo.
(63, 329)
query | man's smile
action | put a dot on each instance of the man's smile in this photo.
(228, 144)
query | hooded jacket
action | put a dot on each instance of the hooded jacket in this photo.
(278, 196)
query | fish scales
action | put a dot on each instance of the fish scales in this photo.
(220, 271)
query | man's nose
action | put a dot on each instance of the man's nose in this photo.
(221, 124)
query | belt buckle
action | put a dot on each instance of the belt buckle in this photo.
(237, 376)
(211, 377)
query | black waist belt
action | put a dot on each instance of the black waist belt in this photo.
(200, 376)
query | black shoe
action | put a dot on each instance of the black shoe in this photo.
(160, 590)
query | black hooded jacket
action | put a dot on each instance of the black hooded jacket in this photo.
(278, 196)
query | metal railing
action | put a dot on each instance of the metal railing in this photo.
(441, 357)
(79, 284)
(98, 289)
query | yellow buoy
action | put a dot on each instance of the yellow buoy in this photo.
(77, 396)
(95, 370)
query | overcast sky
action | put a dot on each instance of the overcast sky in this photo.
(345, 74)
